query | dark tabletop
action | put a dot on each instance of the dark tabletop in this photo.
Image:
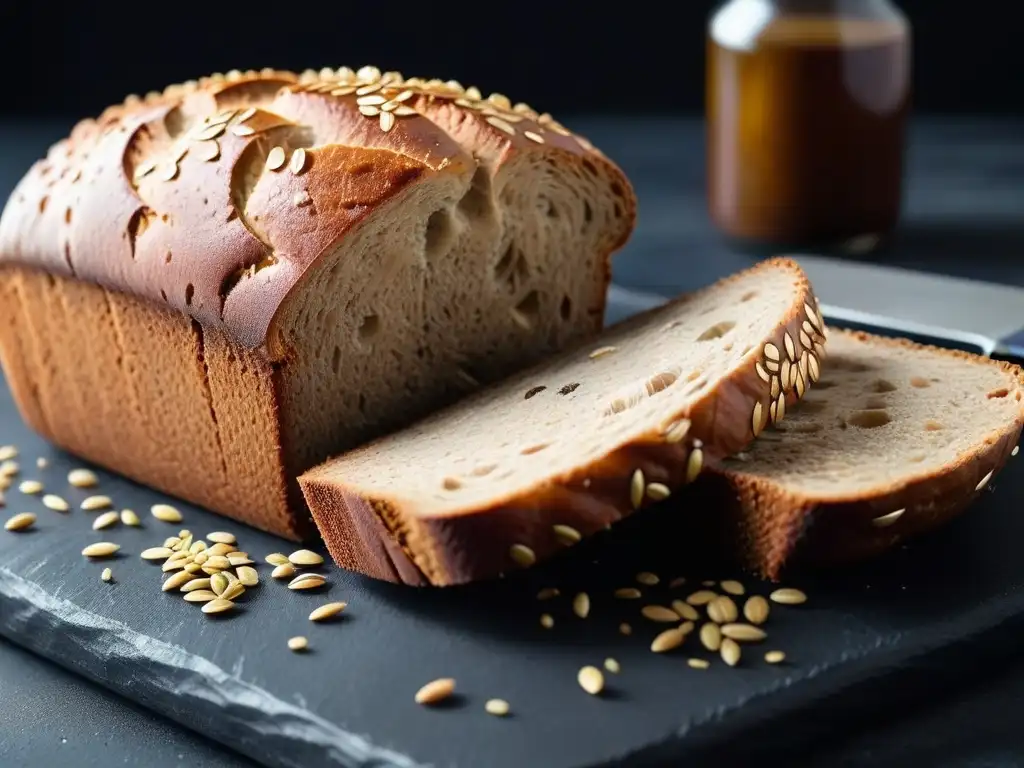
(964, 216)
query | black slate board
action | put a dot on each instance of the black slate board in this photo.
(899, 625)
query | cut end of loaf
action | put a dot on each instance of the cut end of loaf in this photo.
(583, 439)
(895, 439)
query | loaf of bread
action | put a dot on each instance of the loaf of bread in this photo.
(515, 473)
(214, 288)
(894, 440)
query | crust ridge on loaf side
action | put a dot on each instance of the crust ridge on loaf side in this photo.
(325, 255)
(390, 528)
(923, 461)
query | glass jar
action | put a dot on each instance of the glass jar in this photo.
(807, 102)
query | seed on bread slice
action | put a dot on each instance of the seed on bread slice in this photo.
(894, 440)
(493, 484)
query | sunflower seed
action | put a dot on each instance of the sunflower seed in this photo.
(248, 576)
(745, 632)
(107, 575)
(172, 542)
(217, 605)
(30, 487)
(166, 513)
(197, 546)
(297, 643)
(56, 503)
(200, 558)
(732, 587)
(218, 583)
(788, 596)
(497, 707)
(627, 593)
(307, 581)
(234, 591)
(221, 537)
(8, 452)
(327, 611)
(200, 596)
(658, 491)
(775, 657)
(94, 503)
(283, 571)
(522, 555)
(305, 557)
(659, 613)
(625, 629)
(685, 610)
(105, 520)
(581, 605)
(756, 610)
(612, 666)
(722, 610)
(9, 468)
(238, 559)
(701, 597)
(83, 478)
(884, 521)
(176, 563)
(636, 488)
(195, 584)
(698, 663)
(711, 636)
(101, 549)
(20, 522)
(176, 581)
(591, 680)
(435, 691)
(156, 553)
(547, 593)
(694, 463)
(667, 640)
(547, 620)
(730, 651)
(217, 563)
(647, 578)
(677, 431)
(567, 535)
(128, 517)
(276, 558)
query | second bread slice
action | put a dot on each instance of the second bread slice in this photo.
(518, 472)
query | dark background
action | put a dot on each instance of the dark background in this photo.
(72, 59)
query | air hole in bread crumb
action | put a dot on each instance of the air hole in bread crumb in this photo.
(933, 426)
(526, 311)
(588, 213)
(549, 207)
(568, 389)
(869, 419)
(137, 226)
(362, 169)
(661, 381)
(618, 211)
(42, 203)
(920, 383)
(717, 331)
(748, 296)
(67, 215)
(168, 257)
(882, 385)
(565, 309)
(998, 393)
(190, 291)
(476, 203)
(534, 449)
(336, 360)
(451, 484)
(484, 469)
(440, 233)
(534, 391)
(590, 168)
(369, 327)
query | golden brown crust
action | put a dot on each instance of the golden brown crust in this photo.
(182, 199)
(478, 543)
(775, 526)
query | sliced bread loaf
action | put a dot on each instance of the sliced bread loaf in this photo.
(515, 473)
(895, 439)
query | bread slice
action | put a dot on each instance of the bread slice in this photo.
(515, 473)
(217, 287)
(895, 439)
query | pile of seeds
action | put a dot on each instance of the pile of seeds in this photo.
(286, 567)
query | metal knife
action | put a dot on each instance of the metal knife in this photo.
(971, 315)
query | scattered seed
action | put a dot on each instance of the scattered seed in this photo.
(711, 636)
(601, 352)
(435, 691)
(234, 591)
(8, 452)
(701, 597)
(547, 593)
(196, 584)
(788, 596)
(105, 520)
(1015, 451)
(658, 491)
(305, 557)
(298, 161)
(698, 663)
(647, 578)
(200, 596)
(884, 521)
(745, 632)
(984, 481)
(668, 640)
(276, 558)
(627, 593)
(327, 611)
(722, 610)
(567, 535)
(94, 503)
(284, 571)
(9, 468)
(275, 159)
(307, 581)
(156, 553)
(166, 513)
(83, 478)
(217, 605)
(177, 580)
(20, 522)
(248, 576)
(101, 549)
(625, 629)
(56, 503)
(221, 537)
(547, 620)
(581, 605)
(659, 613)
(694, 463)
(128, 517)
(30, 487)
(732, 587)
(686, 627)
(636, 488)
(775, 657)
(730, 651)
(497, 707)
(107, 575)
(591, 680)
(612, 666)
(522, 555)
(756, 610)
(685, 610)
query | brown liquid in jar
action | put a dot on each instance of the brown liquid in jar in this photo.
(806, 131)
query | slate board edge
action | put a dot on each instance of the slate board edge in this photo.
(203, 692)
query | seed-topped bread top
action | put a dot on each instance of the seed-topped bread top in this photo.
(215, 196)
